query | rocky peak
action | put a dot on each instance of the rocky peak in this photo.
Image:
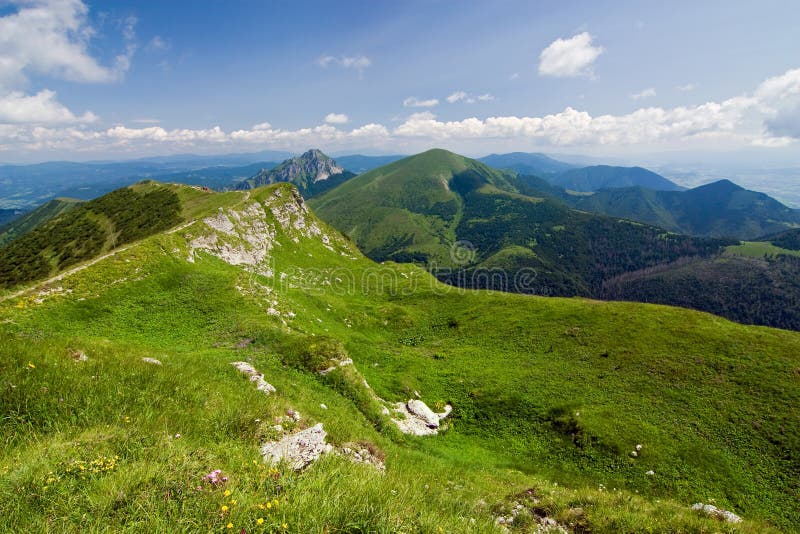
(312, 166)
(310, 172)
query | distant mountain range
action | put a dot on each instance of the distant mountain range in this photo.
(719, 209)
(527, 163)
(476, 226)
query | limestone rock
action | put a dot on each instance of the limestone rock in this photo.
(297, 450)
(718, 513)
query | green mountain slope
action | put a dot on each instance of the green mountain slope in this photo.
(609, 177)
(84, 232)
(550, 397)
(24, 224)
(312, 173)
(527, 163)
(424, 208)
(718, 209)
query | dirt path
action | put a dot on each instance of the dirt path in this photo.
(79, 268)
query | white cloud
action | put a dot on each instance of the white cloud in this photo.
(461, 96)
(569, 57)
(158, 44)
(51, 38)
(145, 121)
(514, 76)
(766, 117)
(455, 97)
(41, 108)
(414, 102)
(644, 93)
(358, 63)
(686, 88)
(336, 118)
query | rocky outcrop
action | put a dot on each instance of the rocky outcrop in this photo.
(297, 450)
(717, 513)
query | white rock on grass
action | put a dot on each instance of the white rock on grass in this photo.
(419, 419)
(255, 376)
(151, 361)
(297, 450)
(718, 513)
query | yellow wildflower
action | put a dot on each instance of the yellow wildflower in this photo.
(269, 505)
(229, 525)
(224, 508)
(227, 493)
(30, 364)
(260, 520)
(233, 501)
(285, 526)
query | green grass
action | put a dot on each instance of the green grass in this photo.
(549, 397)
(758, 249)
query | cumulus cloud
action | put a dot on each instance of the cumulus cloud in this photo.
(569, 57)
(336, 118)
(41, 108)
(359, 63)
(414, 102)
(766, 117)
(644, 93)
(51, 38)
(686, 88)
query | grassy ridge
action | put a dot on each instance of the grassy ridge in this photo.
(82, 233)
(549, 395)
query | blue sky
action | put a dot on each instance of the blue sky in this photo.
(123, 79)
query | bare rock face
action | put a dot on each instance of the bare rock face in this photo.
(303, 171)
(298, 450)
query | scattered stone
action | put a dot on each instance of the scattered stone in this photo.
(151, 360)
(638, 447)
(717, 513)
(364, 453)
(337, 363)
(323, 406)
(255, 376)
(650, 473)
(298, 450)
(634, 454)
(78, 355)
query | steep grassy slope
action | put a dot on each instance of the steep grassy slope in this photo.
(40, 215)
(720, 209)
(550, 396)
(463, 218)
